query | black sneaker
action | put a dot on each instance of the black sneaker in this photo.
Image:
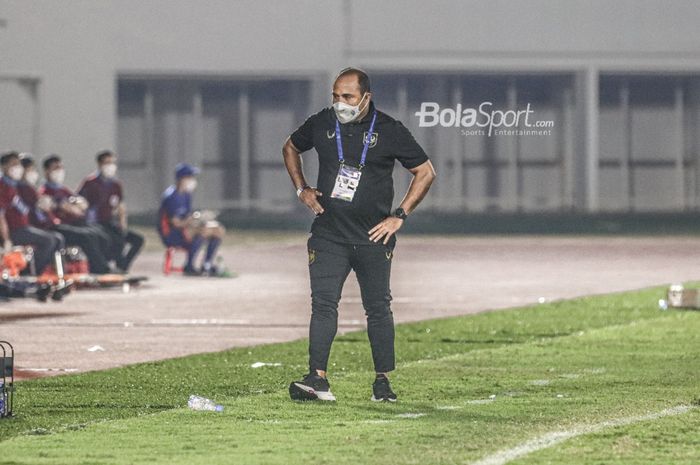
(62, 290)
(312, 387)
(43, 292)
(192, 271)
(382, 390)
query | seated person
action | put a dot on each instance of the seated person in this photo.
(57, 208)
(14, 216)
(26, 188)
(104, 194)
(180, 227)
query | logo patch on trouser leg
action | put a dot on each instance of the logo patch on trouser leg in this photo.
(312, 256)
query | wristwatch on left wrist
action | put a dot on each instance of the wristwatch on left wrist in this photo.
(400, 213)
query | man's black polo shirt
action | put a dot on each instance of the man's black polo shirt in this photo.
(349, 222)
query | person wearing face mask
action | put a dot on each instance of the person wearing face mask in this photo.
(106, 209)
(179, 226)
(26, 188)
(30, 175)
(15, 228)
(355, 227)
(58, 209)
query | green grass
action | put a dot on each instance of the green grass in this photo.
(550, 367)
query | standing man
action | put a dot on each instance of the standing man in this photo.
(179, 227)
(104, 194)
(354, 227)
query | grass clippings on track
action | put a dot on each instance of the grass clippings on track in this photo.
(469, 387)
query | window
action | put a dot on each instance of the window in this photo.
(479, 172)
(648, 142)
(233, 129)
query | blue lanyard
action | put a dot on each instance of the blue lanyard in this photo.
(365, 147)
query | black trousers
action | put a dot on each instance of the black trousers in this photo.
(89, 240)
(45, 243)
(329, 266)
(125, 246)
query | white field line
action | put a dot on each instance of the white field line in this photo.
(220, 322)
(45, 370)
(196, 322)
(551, 439)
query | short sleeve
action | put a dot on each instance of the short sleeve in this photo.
(303, 137)
(409, 153)
(83, 191)
(86, 190)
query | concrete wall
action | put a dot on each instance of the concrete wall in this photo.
(76, 49)
(60, 60)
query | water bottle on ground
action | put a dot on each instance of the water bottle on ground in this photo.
(202, 403)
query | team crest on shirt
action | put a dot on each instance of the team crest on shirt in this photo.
(330, 134)
(372, 140)
(114, 201)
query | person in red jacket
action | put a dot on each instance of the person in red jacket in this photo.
(26, 188)
(57, 208)
(104, 194)
(14, 216)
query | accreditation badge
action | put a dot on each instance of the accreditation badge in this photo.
(346, 183)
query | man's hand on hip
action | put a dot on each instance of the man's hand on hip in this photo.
(309, 197)
(385, 229)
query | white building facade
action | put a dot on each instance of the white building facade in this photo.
(222, 83)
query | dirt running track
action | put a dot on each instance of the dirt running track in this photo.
(269, 301)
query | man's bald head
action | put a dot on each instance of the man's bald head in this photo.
(362, 79)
